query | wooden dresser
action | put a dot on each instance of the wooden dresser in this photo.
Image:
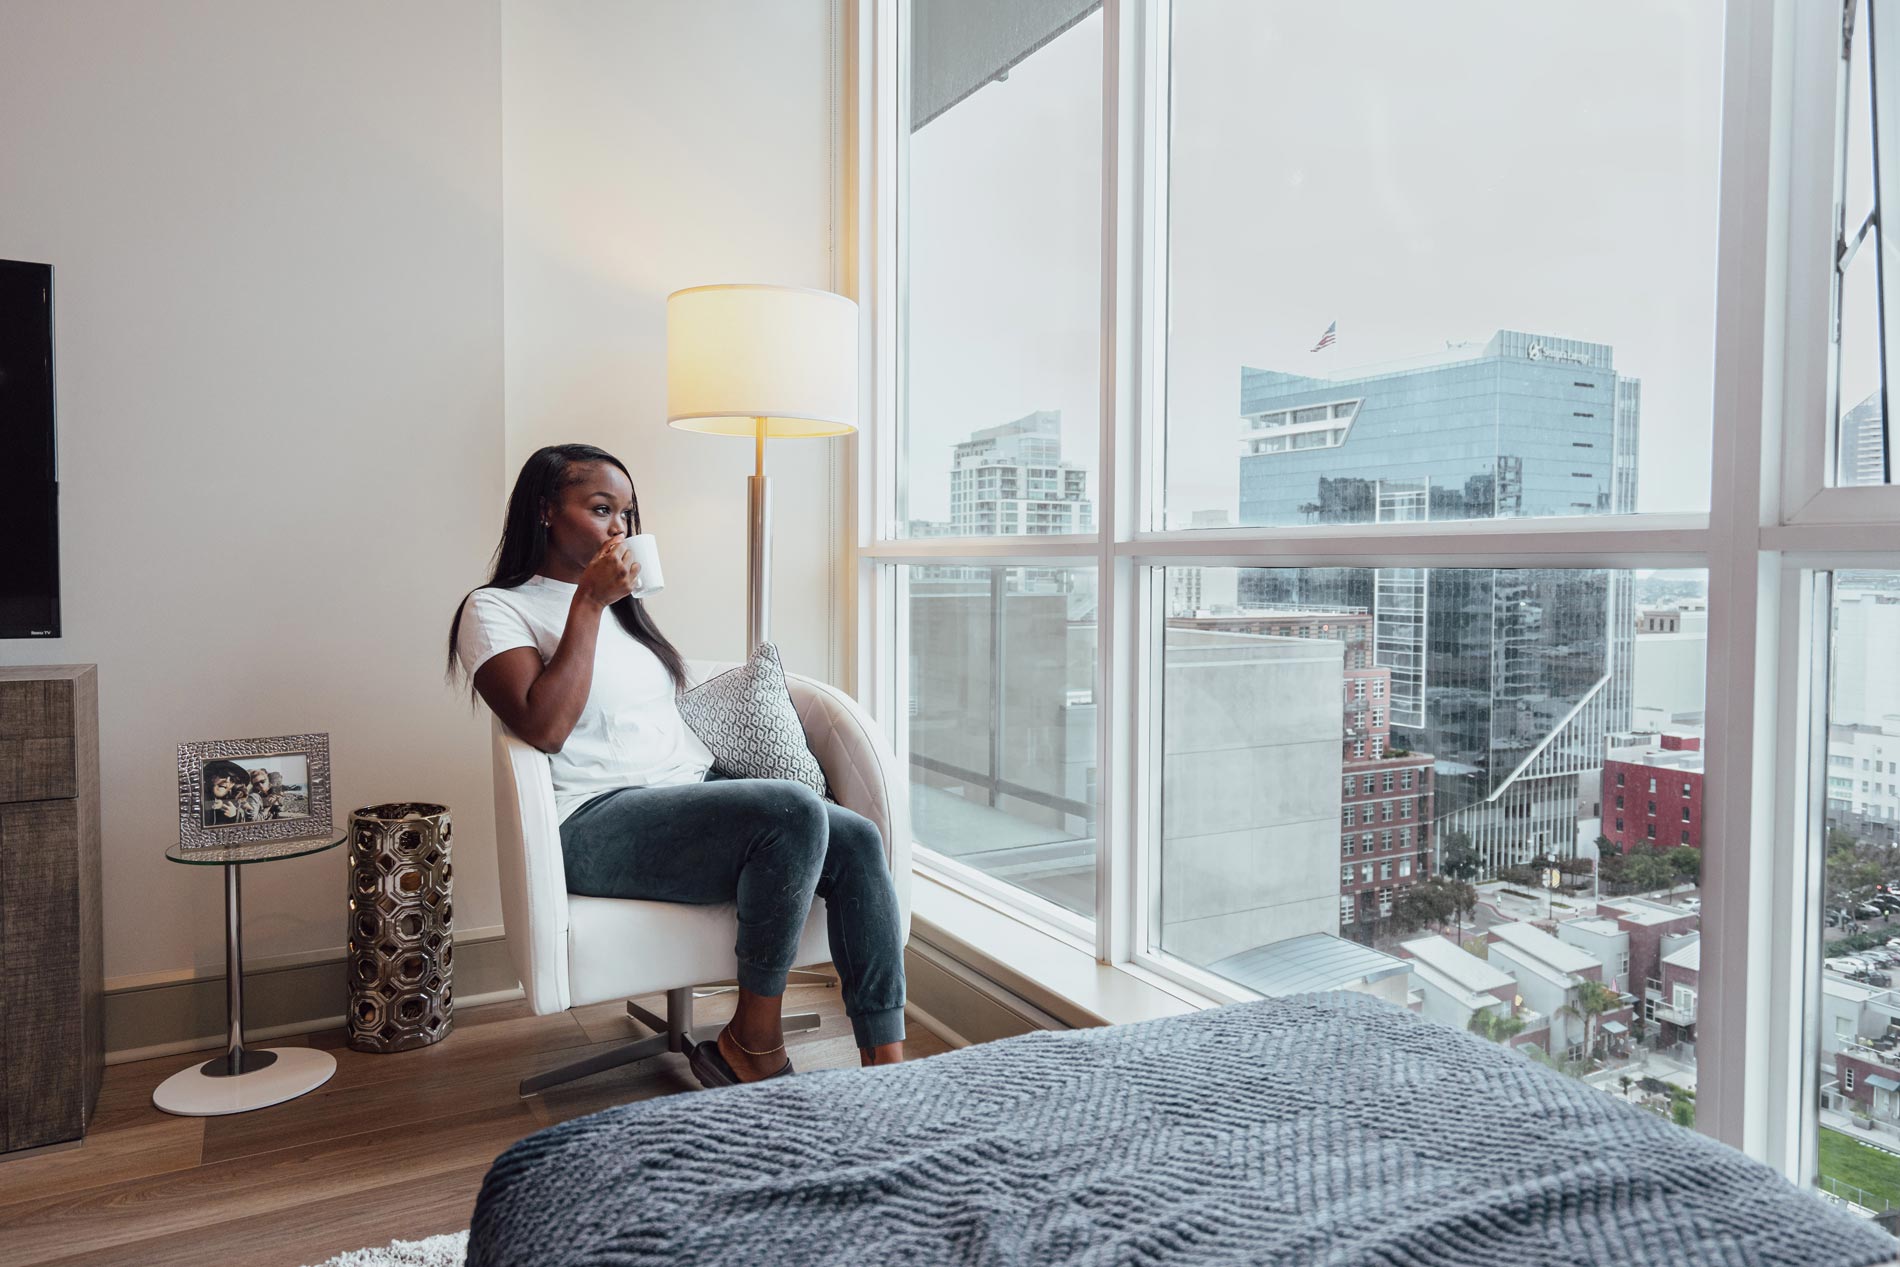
(52, 1032)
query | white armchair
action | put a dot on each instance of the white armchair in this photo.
(570, 951)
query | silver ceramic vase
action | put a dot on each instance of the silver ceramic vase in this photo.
(401, 950)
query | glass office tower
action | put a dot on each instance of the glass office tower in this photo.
(1511, 679)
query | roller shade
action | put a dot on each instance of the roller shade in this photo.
(957, 46)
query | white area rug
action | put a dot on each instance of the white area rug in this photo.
(447, 1250)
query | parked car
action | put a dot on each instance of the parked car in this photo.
(1846, 967)
(1867, 910)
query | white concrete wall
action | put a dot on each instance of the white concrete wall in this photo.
(286, 296)
(648, 147)
(1607, 949)
(1866, 671)
(1250, 793)
(1540, 994)
(1440, 1005)
(276, 236)
(1670, 673)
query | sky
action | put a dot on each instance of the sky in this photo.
(1544, 168)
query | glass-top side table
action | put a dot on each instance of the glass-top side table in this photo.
(243, 1078)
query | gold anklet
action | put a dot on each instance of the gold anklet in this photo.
(748, 1051)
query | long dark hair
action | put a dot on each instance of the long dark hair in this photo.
(524, 545)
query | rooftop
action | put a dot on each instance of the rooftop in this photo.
(1595, 925)
(1457, 965)
(1540, 945)
(1315, 961)
(1647, 914)
(1689, 957)
(1853, 991)
(1689, 759)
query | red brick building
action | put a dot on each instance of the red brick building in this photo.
(1651, 926)
(1652, 793)
(1385, 804)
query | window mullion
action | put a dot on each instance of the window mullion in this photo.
(1734, 1043)
(1118, 645)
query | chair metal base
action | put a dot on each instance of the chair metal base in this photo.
(797, 976)
(675, 1033)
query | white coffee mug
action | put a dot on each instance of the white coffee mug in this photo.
(646, 552)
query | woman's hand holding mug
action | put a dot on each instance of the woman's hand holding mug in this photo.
(625, 565)
(610, 575)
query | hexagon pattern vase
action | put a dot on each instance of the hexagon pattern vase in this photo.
(401, 953)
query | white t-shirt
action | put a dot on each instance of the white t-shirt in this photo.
(630, 732)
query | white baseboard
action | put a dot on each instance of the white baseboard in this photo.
(295, 995)
(935, 1026)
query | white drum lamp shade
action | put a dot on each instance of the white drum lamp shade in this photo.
(761, 361)
(784, 354)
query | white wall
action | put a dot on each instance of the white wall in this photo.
(1246, 859)
(649, 147)
(1670, 672)
(276, 238)
(278, 232)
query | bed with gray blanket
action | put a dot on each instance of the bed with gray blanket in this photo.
(1325, 1128)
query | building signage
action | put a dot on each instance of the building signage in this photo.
(1538, 352)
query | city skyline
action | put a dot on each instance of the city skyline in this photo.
(1004, 197)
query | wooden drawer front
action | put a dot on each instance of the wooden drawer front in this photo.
(36, 708)
(39, 974)
(38, 770)
(37, 751)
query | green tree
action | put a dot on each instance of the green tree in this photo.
(1610, 865)
(1685, 864)
(1646, 872)
(1522, 877)
(1488, 1023)
(1431, 903)
(1457, 859)
(1854, 869)
(1591, 1000)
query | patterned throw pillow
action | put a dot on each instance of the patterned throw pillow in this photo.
(745, 717)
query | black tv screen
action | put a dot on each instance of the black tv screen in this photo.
(29, 490)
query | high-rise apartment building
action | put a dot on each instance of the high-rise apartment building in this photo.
(1512, 679)
(1198, 590)
(1863, 443)
(1011, 480)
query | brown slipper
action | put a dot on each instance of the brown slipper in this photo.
(710, 1066)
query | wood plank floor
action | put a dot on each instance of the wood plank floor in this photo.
(391, 1147)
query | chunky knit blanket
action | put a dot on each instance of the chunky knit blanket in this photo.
(1321, 1129)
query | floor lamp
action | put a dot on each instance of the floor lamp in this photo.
(764, 362)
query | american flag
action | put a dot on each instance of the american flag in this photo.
(1326, 340)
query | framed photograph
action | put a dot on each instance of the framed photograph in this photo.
(239, 791)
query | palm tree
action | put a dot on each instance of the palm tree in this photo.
(1591, 1000)
(1488, 1023)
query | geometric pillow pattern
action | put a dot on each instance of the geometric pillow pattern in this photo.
(746, 719)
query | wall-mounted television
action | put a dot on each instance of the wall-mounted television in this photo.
(29, 486)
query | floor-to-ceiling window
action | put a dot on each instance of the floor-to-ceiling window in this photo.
(1387, 498)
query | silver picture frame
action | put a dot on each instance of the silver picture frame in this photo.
(194, 757)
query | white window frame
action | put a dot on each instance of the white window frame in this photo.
(1774, 530)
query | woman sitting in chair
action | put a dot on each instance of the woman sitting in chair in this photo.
(642, 816)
